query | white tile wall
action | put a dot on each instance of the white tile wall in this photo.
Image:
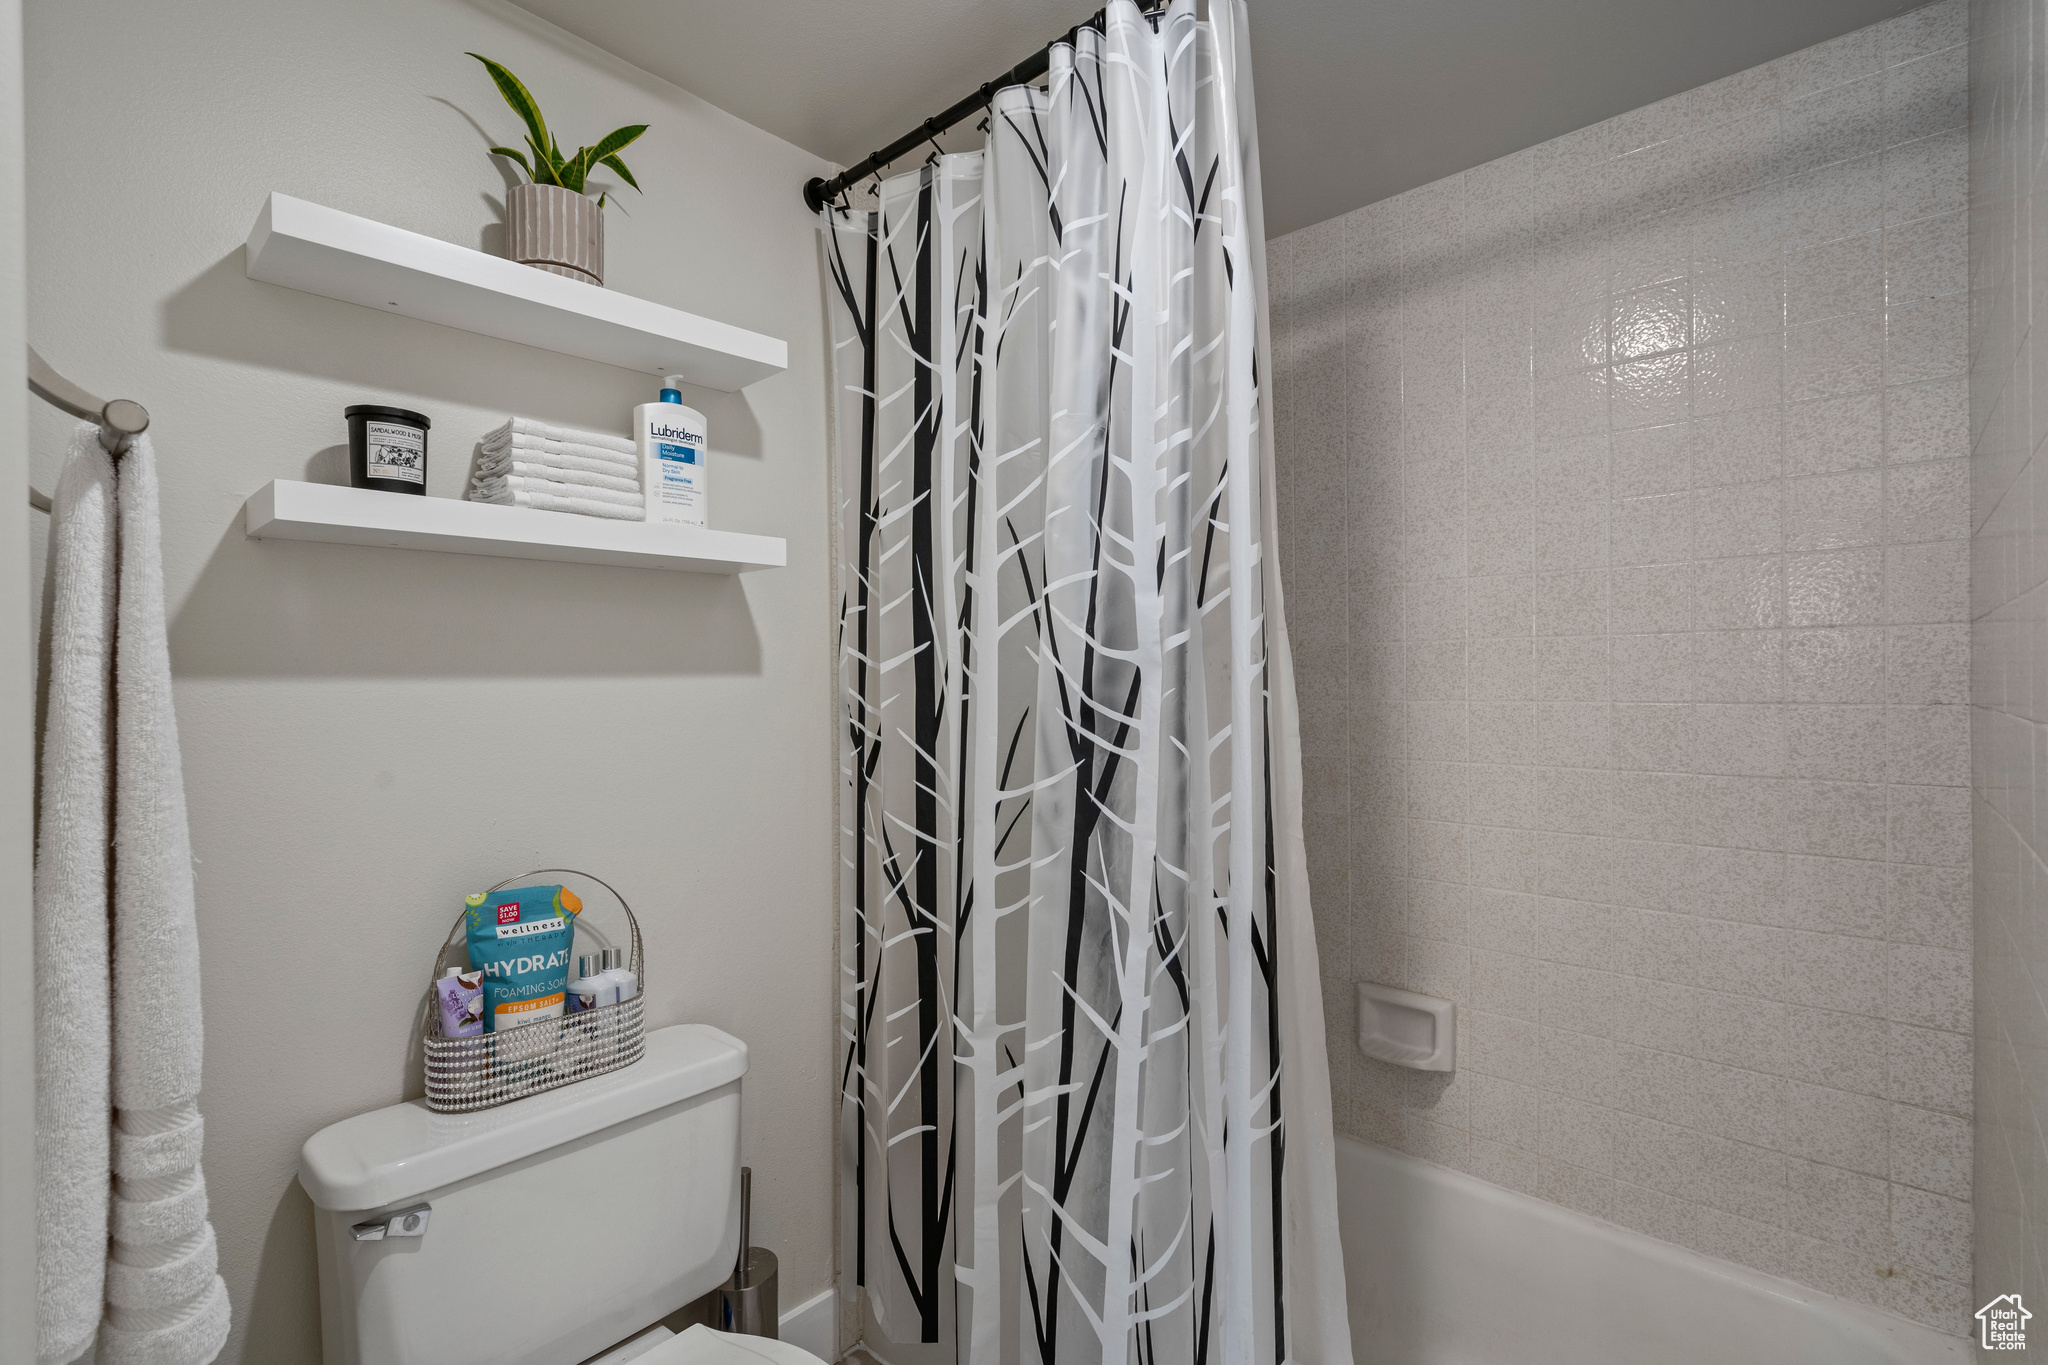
(1625, 518)
(2009, 646)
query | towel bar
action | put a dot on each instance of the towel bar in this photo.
(121, 420)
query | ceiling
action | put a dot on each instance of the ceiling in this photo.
(1358, 99)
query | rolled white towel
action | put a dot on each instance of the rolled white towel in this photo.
(558, 472)
(490, 488)
(548, 502)
(524, 430)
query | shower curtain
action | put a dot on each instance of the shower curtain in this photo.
(1085, 1103)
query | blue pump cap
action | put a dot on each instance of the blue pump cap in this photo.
(672, 395)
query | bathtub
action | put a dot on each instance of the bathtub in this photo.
(1445, 1269)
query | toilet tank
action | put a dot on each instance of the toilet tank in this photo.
(555, 1225)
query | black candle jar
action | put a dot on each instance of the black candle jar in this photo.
(387, 449)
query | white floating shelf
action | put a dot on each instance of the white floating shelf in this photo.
(340, 256)
(286, 510)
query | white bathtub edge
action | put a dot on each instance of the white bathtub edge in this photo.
(1918, 1343)
(813, 1325)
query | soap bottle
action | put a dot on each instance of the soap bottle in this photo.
(623, 983)
(673, 472)
(586, 991)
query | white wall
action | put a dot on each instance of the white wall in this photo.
(17, 1000)
(370, 734)
(2008, 642)
(1625, 505)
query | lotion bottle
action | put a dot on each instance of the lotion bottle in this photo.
(624, 984)
(585, 992)
(673, 472)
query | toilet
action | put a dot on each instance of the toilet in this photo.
(702, 1346)
(540, 1232)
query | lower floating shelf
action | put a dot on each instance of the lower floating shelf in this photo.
(287, 510)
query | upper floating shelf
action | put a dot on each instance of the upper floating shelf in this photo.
(325, 251)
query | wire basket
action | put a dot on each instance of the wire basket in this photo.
(496, 1068)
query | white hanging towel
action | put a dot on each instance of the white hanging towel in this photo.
(166, 1302)
(157, 1295)
(73, 1008)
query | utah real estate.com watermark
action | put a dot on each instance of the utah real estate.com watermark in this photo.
(2002, 1324)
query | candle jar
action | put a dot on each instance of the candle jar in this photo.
(387, 449)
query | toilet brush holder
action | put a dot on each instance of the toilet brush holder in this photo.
(747, 1302)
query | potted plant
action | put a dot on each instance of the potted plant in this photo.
(550, 223)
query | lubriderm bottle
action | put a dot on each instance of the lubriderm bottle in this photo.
(673, 471)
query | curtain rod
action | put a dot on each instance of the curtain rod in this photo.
(819, 191)
(120, 420)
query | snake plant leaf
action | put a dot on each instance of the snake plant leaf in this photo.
(620, 167)
(542, 172)
(519, 97)
(548, 166)
(617, 140)
(575, 169)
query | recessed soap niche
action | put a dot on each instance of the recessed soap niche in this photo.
(1407, 1029)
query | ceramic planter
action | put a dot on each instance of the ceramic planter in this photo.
(553, 229)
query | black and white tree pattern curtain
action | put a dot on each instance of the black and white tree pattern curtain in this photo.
(1065, 1130)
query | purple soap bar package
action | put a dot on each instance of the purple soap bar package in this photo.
(460, 996)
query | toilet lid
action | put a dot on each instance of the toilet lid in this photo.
(702, 1346)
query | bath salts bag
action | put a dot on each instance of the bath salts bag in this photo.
(519, 939)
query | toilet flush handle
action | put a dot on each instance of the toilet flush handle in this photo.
(406, 1222)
